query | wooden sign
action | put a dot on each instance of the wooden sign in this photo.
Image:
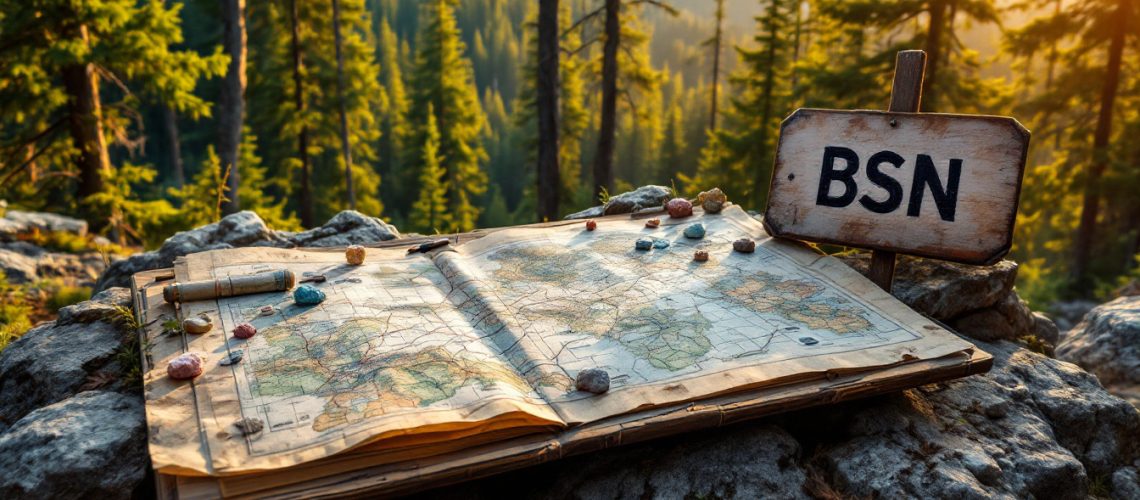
(933, 185)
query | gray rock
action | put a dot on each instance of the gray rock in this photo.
(23, 247)
(1107, 342)
(592, 380)
(19, 268)
(19, 221)
(1045, 329)
(346, 228)
(236, 230)
(101, 307)
(1008, 319)
(746, 461)
(1126, 484)
(628, 202)
(1067, 314)
(90, 446)
(1032, 427)
(80, 269)
(945, 290)
(51, 362)
(246, 229)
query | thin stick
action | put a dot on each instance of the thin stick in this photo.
(906, 97)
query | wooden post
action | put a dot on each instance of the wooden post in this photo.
(906, 97)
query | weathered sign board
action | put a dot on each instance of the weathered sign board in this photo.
(933, 185)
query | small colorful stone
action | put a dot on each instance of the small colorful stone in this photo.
(245, 331)
(354, 254)
(643, 244)
(679, 207)
(653, 223)
(744, 245)
(591, 225)
(186, 366)
(660, 244)
(308, 295)
(233, 358)
(712, 201)
(267, 311)
(695, 231)
(197, 325)
(701, 256)
(592, 380)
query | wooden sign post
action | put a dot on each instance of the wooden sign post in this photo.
(934, 185)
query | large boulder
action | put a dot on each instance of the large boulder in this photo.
(17, 267)
(1107, 342)
(945, 290)
(17, 222)
(628, 202)
(346, 228)
(246, 229)
(90, 446)
(235, 230)
(54, 361)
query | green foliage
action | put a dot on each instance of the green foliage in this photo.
(130, 45)
(429, 212)
(442, 85)
(14, 312)
(130, 217)
(59, 294)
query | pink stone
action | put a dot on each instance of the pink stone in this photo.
(245, 331)
(354, 254)
(186, 366)
(591, 225)
(679, 207)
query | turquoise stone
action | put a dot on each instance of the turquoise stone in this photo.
(307, 295)
(695, 231)
(659, 244)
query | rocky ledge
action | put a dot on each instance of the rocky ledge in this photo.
(1107, 343)
(245, 229)
(72, 423)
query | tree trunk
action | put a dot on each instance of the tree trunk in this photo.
(933, 53)
(716, 63)
(85, 123)
(547, 102)
(604, 158)
(174, 146)
(305, 198)
(232, 101)
(1082, 250)
(345, 147)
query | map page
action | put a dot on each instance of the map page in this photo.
(487, 338)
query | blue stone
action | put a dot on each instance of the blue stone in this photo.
(695, 231)
(659, 244)
(308, 295)
(643, 244)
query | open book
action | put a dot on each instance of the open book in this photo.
(415, 354)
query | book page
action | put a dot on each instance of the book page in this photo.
(668, 329)
(385, 355)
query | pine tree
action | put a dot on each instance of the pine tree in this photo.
(744, 148)
(430, 212)
(57, 54)
(1088, 189)
(296, 108)
(393, 126)
(443, 79)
